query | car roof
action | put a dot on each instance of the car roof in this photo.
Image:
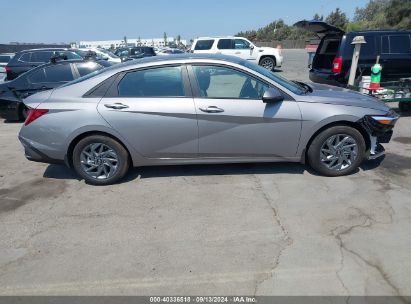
(45, 49)
(219, 37)
(380, 32)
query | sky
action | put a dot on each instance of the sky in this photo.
(71, 21)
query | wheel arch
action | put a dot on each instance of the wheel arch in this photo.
(78, 137)
(347, 123)
(270, 56)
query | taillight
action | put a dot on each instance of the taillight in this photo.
(337, 65)
(34, 114)
(8, 70)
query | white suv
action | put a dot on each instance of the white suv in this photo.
(270, 58)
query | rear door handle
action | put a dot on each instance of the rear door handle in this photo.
(116, 106)
(212, 109)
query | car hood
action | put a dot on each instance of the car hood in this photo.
(340, 96)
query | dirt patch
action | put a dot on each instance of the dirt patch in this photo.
(403, 140)
(22, 194)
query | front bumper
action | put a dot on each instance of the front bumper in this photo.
(379, 133)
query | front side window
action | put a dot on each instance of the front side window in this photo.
(59, 73)
(203, 45)
(241, 44)
(223, 82)
(157, 82)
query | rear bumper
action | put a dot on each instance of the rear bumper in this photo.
(9, 110)
(326, 78)
(34, 154)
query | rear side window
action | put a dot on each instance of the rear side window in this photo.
(41, 57)
(241, 44)
(25, 57)
(85, 68)
(158, 82)
(396, 44)
(225, 44)
(367, 49)
(59, 73)
(5, 58)
(203, 45)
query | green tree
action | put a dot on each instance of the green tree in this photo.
(318, 17)
(398, 14)
(337, 18)
(165, 39)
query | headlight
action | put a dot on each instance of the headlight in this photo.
(389, 119)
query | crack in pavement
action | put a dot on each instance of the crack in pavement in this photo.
(367, 222)
(288, 241)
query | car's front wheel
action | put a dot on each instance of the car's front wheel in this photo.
(337, 151)
(268, 63)
(100, 160)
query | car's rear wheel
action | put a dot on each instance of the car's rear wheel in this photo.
(100, 160)
(23, 112)
(337, 151)
(268, 63)
(404, 106)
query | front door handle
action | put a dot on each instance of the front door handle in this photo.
(212, 109)
(116, 106)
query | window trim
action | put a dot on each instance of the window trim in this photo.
(196, 87)
(112, 92)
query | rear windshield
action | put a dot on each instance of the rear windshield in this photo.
(5, 58)
(203, 45)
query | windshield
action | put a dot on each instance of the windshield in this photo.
(292, 86)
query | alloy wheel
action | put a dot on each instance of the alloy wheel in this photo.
(99, 161)
(267, 63)
(339, 152)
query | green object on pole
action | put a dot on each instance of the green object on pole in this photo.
(376, 73)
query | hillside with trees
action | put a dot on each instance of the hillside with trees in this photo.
(377, 14)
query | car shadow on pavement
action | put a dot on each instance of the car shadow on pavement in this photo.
(62, 172)
(209, 170)
(59, 172)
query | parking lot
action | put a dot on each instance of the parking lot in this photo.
(264, 229)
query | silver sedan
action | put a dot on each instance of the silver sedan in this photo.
(193, 109)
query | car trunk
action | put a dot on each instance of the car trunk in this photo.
(327, 51)
(330, 36)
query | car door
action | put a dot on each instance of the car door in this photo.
(233, 120)
(153, 109)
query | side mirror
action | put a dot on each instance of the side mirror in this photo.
(252, 47)
(272, 95)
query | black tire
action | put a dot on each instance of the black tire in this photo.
(122, 157)
(314, 151)
(268, 60)
(23, 112)
(404, 106)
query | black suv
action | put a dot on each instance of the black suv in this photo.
(26, 60)
(135, 52)
(44, 77)
(332, 61)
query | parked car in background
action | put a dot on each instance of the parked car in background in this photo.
(26, 60)
(332, 61)
(267, 57)
(190, 109)
(41, 78)
(4, 60)
(137, 52)
(169, 51)
(100, 54)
